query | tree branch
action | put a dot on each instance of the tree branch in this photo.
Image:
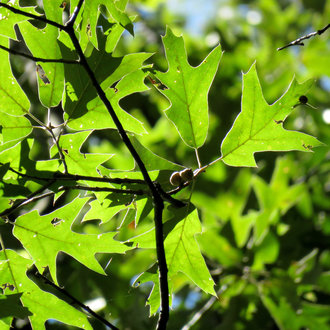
(75, 301)
(75, 13)
(114, 190)
(298, 42)
(31, 198)
(38, 59)
(39, 18)
(157, 198)
(76, 177)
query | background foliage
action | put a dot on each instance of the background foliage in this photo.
(264, 231)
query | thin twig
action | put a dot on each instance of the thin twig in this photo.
(38, 59)
(39, 18)
(114, 190)
(298, 42)
(59, 149)
(75, 13)
(31, 198)
(76, 301)
(76, 177)
(200, 313)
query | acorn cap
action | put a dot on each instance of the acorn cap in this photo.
(187, 174)
(175, 179)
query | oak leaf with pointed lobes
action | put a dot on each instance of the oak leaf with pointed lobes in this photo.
(257, 128)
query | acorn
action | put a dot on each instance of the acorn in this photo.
(176, 179)
(187, 174)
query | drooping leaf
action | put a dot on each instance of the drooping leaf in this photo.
(259, 126)
(187, 89)
(45, 236)
(181, 248)
(42, 43)
(37, 304)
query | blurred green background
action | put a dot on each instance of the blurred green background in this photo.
(266, 230)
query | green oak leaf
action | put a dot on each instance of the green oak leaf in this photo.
(45, 236)
(8, 19)
(259, 126)
(90, 16)
(37, 304)
(152, 161)
(13, 128)
(77, 162)
(98, 117)
(187, 89)
(42, 43)
(12, 98)
(276, 198)
(181, 248)
(79, 89)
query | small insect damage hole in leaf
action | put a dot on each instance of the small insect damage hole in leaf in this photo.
(56, 221)
(42, 74)
(157, 84)
(307, 146)
(9, 286)
(66, 151)
(278, 121)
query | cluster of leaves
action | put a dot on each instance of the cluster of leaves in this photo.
(64, 170)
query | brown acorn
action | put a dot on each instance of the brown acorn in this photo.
(176, 179)
(187, 174)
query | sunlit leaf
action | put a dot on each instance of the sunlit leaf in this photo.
(38, 305)
(45, 236)
(259, 126)
(187, 89)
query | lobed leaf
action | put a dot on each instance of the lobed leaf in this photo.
(45, 236)
(35, 303)
(259, 126)
(43, 44)
(181, 248)
(187, 89)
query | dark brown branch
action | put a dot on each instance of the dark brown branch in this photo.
(38, 59)
(39, 18)
(114, 190)
(157, 198)
(75, 301)
(75, 177)
(298, 42)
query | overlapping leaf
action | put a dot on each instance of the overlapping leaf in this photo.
(8, 19)
(259, 126)
(108, 70)
(45, 236)
(77, 162)
(187, 89)
(42, 43)
(97, 116)
(90, 15)
(35, 303)
(181, 248)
